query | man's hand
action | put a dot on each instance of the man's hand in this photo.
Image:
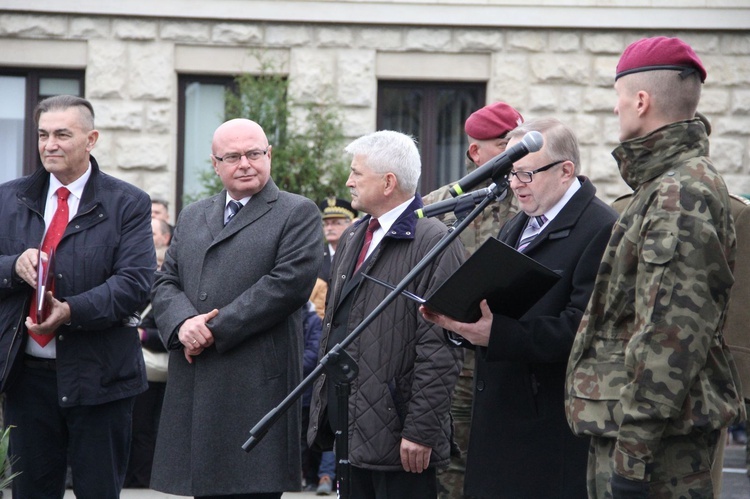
(26, 265)
(415, 458)
(59, 314)
(477, 333)
(195, 335)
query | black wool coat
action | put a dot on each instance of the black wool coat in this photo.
(519, 428)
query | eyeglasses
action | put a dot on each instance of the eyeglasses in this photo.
(234, 158)
(527, 177)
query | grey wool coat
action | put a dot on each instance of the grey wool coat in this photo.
(257, 271)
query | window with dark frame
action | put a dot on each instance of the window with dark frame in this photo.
(20, 91)
(200, 111)
(434, 113)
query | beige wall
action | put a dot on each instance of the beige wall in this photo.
(132, 63)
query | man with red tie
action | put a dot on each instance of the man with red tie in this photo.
(399, 408)
(70, 376)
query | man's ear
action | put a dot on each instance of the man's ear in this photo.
(390, 183)
(473, 152)
(91, 139)
(569, 169)
(643, 102)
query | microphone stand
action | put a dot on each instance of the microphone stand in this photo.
(340, 366)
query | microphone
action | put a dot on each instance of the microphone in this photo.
(470, 198)
(499, 165)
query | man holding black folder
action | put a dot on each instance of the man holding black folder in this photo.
(520, 366)
(71, 370)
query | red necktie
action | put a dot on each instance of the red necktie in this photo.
(51, 238)
(371, 228)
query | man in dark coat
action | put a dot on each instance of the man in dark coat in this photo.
(227, 302)
(519, 414)
(399, 408)
(71, 378)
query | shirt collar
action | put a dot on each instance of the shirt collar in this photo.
(75, 187)
(242, 201)
(389, 218)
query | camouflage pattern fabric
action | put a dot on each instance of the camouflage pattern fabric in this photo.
(649, 369)
(682, 467)
(486, 225)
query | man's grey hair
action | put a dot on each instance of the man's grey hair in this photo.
(560, 143)
(63, 102)
(388, 151)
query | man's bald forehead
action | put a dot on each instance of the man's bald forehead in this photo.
(238, 126)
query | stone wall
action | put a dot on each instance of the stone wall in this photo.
(132, 66)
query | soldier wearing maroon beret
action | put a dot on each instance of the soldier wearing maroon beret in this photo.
(650, 377)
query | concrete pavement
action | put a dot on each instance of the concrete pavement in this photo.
(735, 482)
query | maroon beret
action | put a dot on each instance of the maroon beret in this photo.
(660, 52)
(492, 121)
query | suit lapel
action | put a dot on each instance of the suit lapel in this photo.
(260, 204)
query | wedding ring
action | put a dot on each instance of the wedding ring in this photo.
(194, 342)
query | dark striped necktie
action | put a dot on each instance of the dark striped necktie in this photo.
(234, 208)
(533, 228)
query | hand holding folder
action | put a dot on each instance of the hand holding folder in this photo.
(510, 281)
(44, 283)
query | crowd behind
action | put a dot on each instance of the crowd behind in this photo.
(153, 348)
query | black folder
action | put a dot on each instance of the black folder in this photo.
(510, 281)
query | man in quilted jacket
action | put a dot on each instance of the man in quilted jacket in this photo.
(399, 407)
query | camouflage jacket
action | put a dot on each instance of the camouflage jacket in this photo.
(486, 225)
(649, 360)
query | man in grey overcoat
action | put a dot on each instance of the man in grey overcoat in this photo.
(227, 301)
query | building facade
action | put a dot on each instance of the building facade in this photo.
(155, 72)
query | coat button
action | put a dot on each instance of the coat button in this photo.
(480, 385)
(203, 296)
(65, 399)
(61, 337)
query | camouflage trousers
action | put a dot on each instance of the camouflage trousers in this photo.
(681, 467)
(451, 479)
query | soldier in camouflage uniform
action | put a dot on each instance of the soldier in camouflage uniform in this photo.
(486, 129)
(650, 378)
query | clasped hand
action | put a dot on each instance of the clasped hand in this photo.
(195, 335)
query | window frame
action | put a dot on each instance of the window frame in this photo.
(428, 180)
(31, 160)
(183, 80)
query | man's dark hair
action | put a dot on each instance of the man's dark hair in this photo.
(62, 102)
